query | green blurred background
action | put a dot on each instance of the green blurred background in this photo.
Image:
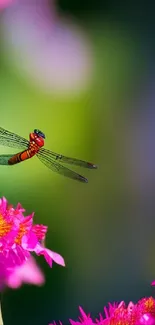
(103, 229)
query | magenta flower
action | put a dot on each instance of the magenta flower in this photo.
(18, 238)
(142, 313)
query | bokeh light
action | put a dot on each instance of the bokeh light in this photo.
(48, 49)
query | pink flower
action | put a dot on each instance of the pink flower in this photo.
(142, 313)
(18, 238)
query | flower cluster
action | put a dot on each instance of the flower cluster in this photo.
(19, 237)
(142, 313)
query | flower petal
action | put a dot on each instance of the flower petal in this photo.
(49, 255)
(3, 204)
(28, 272)
(29, 241)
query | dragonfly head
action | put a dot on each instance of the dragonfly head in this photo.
(39, 133)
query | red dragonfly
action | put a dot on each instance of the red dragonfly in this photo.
(35, 147)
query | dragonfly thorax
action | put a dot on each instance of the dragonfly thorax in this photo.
(38, 140)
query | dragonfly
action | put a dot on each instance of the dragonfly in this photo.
(34, 147)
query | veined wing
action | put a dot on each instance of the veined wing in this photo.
(56, 167)
(12, 140)
(45, 153)
(4, 159)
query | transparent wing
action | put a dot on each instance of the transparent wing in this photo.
(56, 167)
(12, 140)
(71, 161)
(4, 159)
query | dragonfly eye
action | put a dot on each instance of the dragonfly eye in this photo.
(40, 133)
(36, 131)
